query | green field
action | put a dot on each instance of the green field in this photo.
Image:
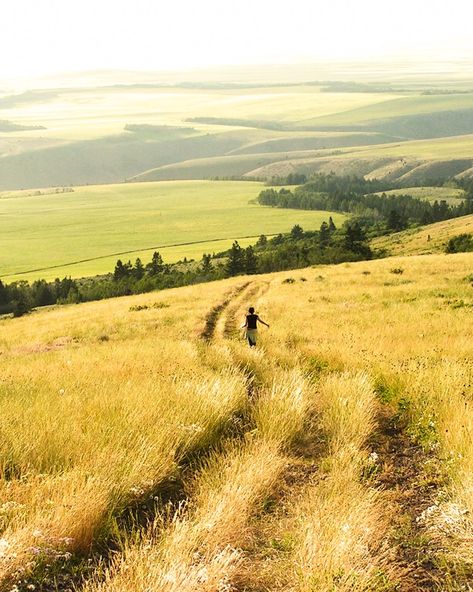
(451, 195)
(100, 222)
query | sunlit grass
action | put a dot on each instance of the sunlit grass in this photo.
(100, 404)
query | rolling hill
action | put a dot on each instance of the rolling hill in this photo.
(177, 130)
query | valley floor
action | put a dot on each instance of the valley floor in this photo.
(146, 447)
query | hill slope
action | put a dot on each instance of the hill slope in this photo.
(302, 456)
(424, 240)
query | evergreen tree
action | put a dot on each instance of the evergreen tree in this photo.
(42, 294)
(331, 225)
(3, 294)
(324, 235)
(262, 241)
(156, 266)
(297, 232)
(206, 266)
(396, 221)
(138, 270)
(251, 262)
(236, 262)
(120, 271)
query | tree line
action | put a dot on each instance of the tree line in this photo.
(284, 251)
(358, 196)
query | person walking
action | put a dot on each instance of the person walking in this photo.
(251, 326)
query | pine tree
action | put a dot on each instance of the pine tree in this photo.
(331, 225)
(324, 235)
(297, 232)
(156, 266)
(206, 266)
(119, 271)
(235, 263)
(262, 241)
(138, 270)
(251, 262)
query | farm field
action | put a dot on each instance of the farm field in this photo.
(44, 234)
(145, 446)
(424, 240)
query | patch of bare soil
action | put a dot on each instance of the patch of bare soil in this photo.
(411, 479)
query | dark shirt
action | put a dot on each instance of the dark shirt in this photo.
(251, 321)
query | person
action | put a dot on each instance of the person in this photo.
(250, 325)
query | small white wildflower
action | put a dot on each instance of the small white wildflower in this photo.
(373, 457)
(61, 391)
(37, 533)
(171, 578)
(4, 545)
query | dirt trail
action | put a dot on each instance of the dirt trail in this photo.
(214, 314)
(411, 479)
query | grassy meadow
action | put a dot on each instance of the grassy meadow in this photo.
(337, 455)
(47, 234)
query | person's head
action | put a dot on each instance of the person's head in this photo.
(251, 310)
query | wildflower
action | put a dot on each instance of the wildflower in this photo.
(61, 391)
(4, 545)
(373, 458)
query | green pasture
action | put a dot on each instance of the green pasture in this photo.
(450, 194)
(97, 223)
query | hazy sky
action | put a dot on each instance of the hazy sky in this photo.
(48, 36)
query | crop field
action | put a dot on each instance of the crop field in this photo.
(424, 240)
(51, 234)
(145, 446)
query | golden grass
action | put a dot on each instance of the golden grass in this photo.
(424, 240)
(201, 548)
(99, 404)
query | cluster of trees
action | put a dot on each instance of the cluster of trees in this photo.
(20, 297)
(300, 249)
(355, 195)
(291, 179)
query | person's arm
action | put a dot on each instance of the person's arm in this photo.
(245, 325)
(261, 321)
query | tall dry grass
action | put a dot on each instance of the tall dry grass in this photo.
(202, 547)
(94, 425)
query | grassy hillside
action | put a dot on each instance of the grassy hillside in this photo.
(406, 162)
(52, 232)
(425, 239)
(450, 194)
(145, 446)
(90, 135)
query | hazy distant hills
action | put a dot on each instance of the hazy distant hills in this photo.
(409, 131)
